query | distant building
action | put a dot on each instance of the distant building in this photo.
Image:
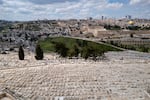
(129, 17)
(90, 18)
(102, 17)
(132, 41)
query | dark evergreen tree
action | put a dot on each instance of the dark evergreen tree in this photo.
(21, 53)
(77, 51)
(131, 35)
(84, 43)
(61, 49)
(39, 53)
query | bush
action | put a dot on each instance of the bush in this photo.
(39, 53)
(21, 53)
(144, 49)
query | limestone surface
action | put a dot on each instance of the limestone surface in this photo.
(120, 77)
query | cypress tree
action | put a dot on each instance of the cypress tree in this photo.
(21, 53)
(39, 53)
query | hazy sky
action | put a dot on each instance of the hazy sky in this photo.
(64, 9)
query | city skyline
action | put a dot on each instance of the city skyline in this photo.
(24, 10)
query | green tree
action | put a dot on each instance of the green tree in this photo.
(112, 42)
(61, 49)
(71, 53)
(131, 35)
(21, 53)
(84, 43)
(92, 51)
(77, 51)
(74, 52)
(85, 53)
(39, 53)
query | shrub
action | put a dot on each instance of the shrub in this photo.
(144, 49)
(39, 53)
(21, 53)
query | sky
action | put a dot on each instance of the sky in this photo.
(24, 10)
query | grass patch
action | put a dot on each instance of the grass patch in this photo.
(49, 43)
(90, 48)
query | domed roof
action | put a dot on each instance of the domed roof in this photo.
(131, 22)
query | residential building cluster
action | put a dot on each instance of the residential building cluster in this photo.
(27, 33)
